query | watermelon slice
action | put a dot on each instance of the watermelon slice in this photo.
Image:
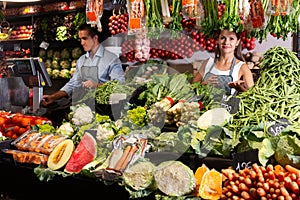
(85, 152)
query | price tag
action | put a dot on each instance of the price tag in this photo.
(277, 127)
(44, 45)
(17, 47)
(231, 104)
(1, 47)
(245, 159)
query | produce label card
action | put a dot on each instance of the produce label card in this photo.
(135, 23)
(230, 103)
(245, 159)
(278, 126)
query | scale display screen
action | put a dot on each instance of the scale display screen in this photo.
(25, 67)
(32, 70)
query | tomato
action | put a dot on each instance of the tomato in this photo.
(22, 130)
(38, 121)
(2, 121)
(9, 134)
(26, 121)
(17, 119)
(16, 129)
(14, 136)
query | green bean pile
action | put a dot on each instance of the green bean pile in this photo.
(103, 92)
(275, 95)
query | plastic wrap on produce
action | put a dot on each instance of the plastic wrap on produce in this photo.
(94, 12)
(142, 45)
(127, 149)
(136, 10)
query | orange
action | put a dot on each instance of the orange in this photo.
(211, 185)
(198, 176)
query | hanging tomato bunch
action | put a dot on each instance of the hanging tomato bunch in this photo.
(118, 23)
(163, 48)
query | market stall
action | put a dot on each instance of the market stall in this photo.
(161, 136)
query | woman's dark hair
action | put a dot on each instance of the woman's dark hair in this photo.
(237, 52)
(92, 31)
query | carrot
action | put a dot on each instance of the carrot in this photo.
(287, 182)
(256, 167)
(243, 187)
(294, 187)
(294, 196)
(253, 192)
(261, 179)
(123, 158)
(276, 185)
(274, 196)
(277, 2)
(283, 4)
(292, 169)
(266, 186)
(228, 173)
(245, 195)
(252, 175)
(271, 175)
(228, 194)
(280, 197)
(261, 192)
(129, 157)
(284, 191)
(273, 2)
(235, 189)
(298, 181)
(281, 176)
(293, 176)
(270, 167)
(248, 181)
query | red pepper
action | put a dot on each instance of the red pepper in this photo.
(200, 105)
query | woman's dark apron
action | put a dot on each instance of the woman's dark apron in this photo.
(223, 80)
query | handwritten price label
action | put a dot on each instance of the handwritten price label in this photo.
(245, 159)
(277, 127)
(231, 104)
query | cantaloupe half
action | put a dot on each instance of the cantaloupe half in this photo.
(61, 154)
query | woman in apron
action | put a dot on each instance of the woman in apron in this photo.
(228, 70)
(93, 69)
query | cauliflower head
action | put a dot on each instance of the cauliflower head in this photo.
(82, 115)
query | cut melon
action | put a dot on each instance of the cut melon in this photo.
(213, 117)
(60, 154)
(85, 152)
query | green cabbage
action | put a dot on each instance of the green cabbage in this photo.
(65, 64)
(55, 64)
(49, 53)
(65, 54)
(76, 52)
(174, 178)
(214, 116)
(48, 63)
(139, 175)
(288, 151)
(42, 53)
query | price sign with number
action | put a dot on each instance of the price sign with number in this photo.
(231, 104)
(278, 126)
(245, 159)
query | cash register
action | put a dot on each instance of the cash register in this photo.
(34, 75)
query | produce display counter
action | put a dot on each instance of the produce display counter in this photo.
(18, 180)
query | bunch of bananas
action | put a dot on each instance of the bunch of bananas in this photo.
(4, 36)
